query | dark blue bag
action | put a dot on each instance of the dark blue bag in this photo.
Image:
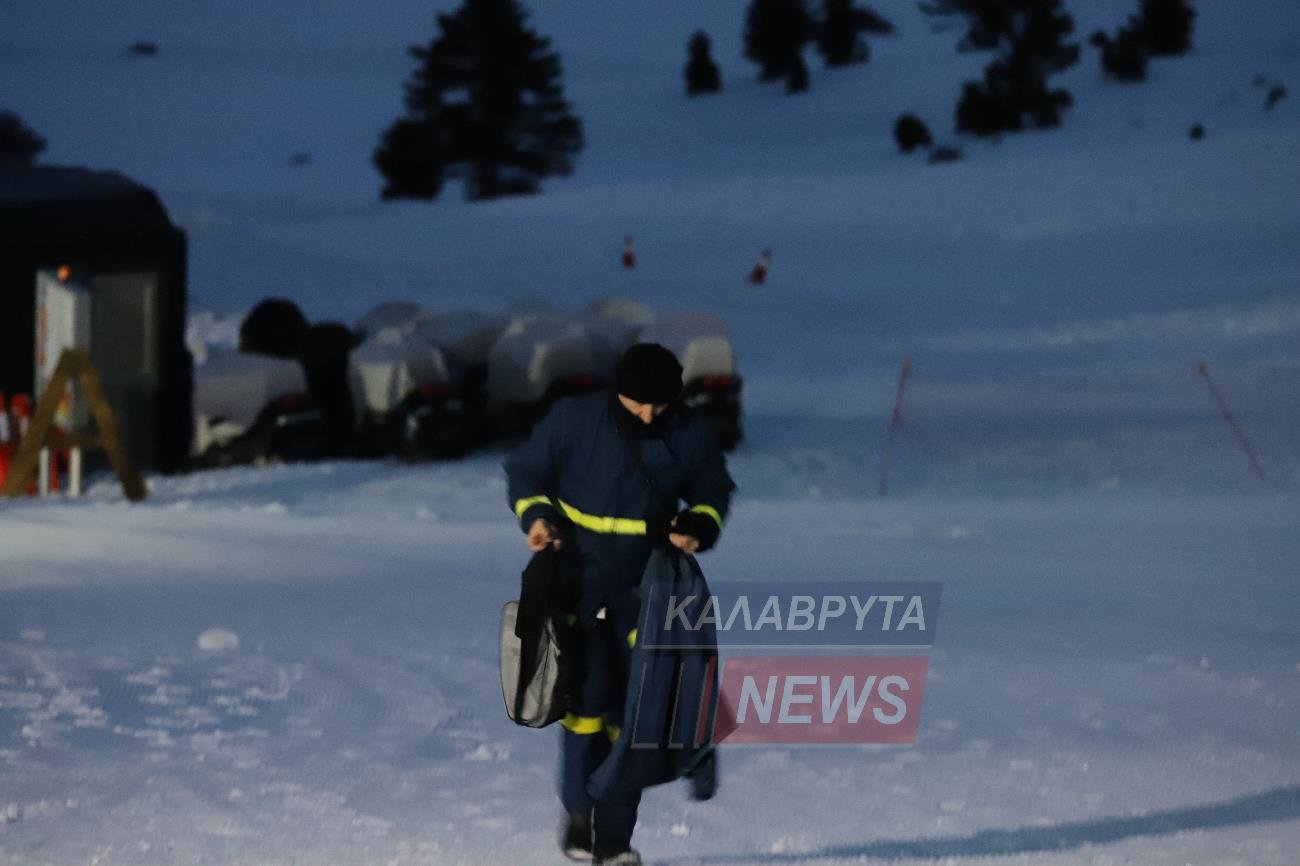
(672, 693)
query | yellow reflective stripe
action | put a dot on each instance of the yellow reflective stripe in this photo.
(528, 502)
(709, 510)
(612, 732)
(608, 525)
(582, 724)
(631, 638)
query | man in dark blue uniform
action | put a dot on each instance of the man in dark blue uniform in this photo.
(603, 477)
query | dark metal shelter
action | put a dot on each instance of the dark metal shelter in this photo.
(113, 237)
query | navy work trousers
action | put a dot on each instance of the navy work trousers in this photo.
(591, 728)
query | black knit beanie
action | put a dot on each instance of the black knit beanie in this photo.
(648, 373)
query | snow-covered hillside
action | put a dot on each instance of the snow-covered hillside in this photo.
(1119, 671)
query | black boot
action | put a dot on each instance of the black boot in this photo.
(627, 857)
(575, 836)
(704, 777)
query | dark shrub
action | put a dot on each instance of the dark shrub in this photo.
(1124, 58)
(910, 132)
(1167, 26)
(274, 327)
(411, 159)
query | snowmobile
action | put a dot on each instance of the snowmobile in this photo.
(538, 359)
(409, 397)
(405, 316)
(468, 337)
(251, 408)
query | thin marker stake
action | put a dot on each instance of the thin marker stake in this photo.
(895, 419)
(1240, 435)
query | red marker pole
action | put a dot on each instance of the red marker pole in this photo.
(895, 419)
(758, 275)
(1239, 434)
(629, 252)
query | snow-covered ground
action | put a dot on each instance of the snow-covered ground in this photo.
(1117, 678)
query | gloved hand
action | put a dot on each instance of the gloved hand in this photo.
(656, 530)
(694, 525)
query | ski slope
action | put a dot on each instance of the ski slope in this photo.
(1118, 675)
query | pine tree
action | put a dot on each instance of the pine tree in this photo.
(838, 38)
(910, 132)
(989, 20)
(485, 103)
(1167, 26)
(775, 34)
(1015, 84)
(839, 31)
(18, 142)
(1123, 57)
(702, 74)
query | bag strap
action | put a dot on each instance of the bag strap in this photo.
(634, 451)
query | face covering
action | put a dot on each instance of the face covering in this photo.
(632, 427)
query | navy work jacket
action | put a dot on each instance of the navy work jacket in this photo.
(599, 486)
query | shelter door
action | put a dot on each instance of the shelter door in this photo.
(125, 350)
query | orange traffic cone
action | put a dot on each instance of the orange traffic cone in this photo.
(21, 410)
(21, 406)
(629, 253)
(758, 275)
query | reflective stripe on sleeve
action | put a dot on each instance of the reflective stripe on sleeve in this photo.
(709, 510)
(528, 502)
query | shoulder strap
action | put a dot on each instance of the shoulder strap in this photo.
(667, 503)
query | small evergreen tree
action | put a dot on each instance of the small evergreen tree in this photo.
(702, 74)
(775, 34)
(485, 103)
(838, 36)
(839, 31)
(18, 142)
(1033, 47)
(1167, 26)
(1124, 57)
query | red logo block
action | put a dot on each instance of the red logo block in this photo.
(821, 699)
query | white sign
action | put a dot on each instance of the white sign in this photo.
(62, 322)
